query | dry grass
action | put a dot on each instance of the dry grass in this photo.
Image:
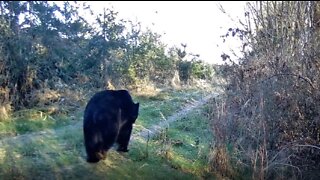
(5, 105)
(147, 90)
(267, 124)
(5, 112)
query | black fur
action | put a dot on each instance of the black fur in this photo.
(108, 119)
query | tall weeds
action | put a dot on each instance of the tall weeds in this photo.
(267, 125)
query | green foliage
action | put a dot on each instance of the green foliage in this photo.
(201, 70)
(50, 45)
(185, 69)
(194, 69)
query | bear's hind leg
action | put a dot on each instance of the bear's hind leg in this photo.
(93, 146)
(109, 138)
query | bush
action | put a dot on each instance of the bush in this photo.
(268, 121)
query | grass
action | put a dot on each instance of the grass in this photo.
(163, 103)
(180, 152)
(27, 121)
(188, 143)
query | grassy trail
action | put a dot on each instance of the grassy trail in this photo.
(59, 153)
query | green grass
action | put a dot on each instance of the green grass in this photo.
(27, 121)
(154, 108)
(180, 152)
(186, 143)
(62, 156)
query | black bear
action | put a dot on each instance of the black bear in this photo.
(108, 119)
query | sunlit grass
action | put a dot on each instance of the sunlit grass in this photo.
(28, 121)
(187, 144)
(55, 157)
(165, 103)
(182, 154)
(153, 108)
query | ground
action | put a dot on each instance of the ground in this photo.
(59, 153)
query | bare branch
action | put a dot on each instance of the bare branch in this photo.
(290, 74)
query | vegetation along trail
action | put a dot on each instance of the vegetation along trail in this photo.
(54, 152)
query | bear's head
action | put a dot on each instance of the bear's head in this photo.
(134, 112)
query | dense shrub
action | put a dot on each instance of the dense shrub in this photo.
(267, 123)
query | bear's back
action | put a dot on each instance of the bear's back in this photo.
(117, 98)
(108, 101)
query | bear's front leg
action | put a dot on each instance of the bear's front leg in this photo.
(124, 137)
(92, 155)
